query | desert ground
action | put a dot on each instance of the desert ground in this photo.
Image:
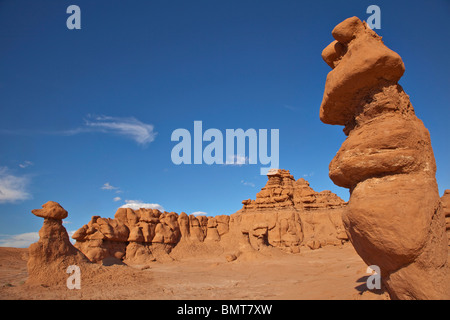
(331, 272)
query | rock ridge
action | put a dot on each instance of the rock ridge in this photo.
(286, 214)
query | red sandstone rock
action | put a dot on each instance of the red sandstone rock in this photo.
(51, 210)
(446, 208)
(286, 214)
(283, 191)
(356, 72)
(394, 218)
(50, 256)
(293, 214)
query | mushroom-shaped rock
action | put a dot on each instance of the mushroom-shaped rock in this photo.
(51, 210)
(50, 256)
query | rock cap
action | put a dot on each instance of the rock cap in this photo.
(51, 210)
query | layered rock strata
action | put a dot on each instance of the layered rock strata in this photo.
(394, 217)
(289, 213)
(286, 214)
(445, 199)
(50, 256)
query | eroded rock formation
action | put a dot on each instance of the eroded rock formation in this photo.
(394, 217)
(53, 253)
(53, 259)
(286, 214)
(446, 208)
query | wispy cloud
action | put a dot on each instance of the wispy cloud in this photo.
(246, 183)
(237, 160)
(137, 204)
(289, 107)
(117, 199)
(108, 186)
(22, 240)
(12, 188)
(128, 127)
(199, 213)
(25, 164)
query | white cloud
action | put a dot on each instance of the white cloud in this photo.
(117, 199)
(22, 240)
(108, 186)
(12, 188)
(199, 213)
(237, 160)
(25, 164)
(137, 204)
(130, 127)
(71, 233)
(246, 183)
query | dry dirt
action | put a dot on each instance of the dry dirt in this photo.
(326, 273)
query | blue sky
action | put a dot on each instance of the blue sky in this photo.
(87, 115)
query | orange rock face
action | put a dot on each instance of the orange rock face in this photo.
(290, 213)
(446, 208)
(394, 217)
(53, 253)
(286, 214)
(51, 210)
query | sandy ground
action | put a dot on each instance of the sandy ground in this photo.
(326, 273)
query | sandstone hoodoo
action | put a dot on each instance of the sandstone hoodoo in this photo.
(394, 217)
(53, 257)
(53, 253)
(287, 214)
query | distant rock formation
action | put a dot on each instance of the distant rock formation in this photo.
(53, 253)
(283, 191)
(394, 217)
(286, 214)
(446, 208)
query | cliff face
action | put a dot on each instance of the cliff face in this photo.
(394, 217)
(287, 214)
(283, 191)
(446, 208)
